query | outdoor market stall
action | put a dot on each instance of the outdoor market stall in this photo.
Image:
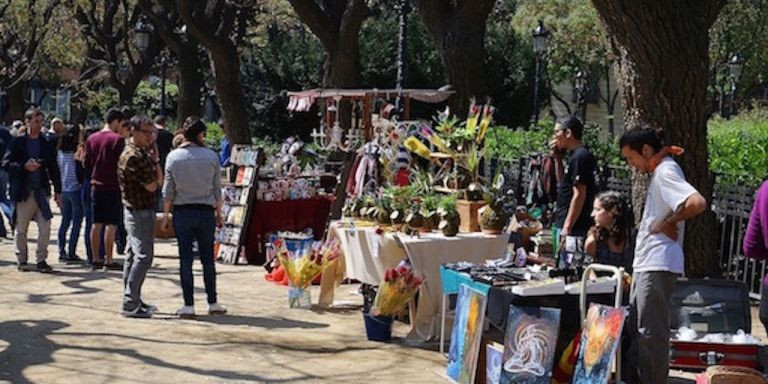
(367, 255)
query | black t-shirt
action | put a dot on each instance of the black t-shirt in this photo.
(164, 144)
(580, 169)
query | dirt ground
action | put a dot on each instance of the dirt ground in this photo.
(66, 328)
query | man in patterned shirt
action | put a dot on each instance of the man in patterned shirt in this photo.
(140, 177)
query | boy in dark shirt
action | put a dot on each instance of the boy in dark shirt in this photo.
(576, 187)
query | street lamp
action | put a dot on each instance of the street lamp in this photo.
(540, 37)
(142, 31)
(735, 66)
(402, 13)
(580, 83)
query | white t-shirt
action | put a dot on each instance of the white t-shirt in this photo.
(666, 192)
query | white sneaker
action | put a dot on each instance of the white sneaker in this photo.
(216, 309)
(186, 311)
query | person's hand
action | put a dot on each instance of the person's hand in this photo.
(154, 152)
(554, 150)
(57, 198)
(219, 221)
(31, 165)
(665, 227)
(165, 224)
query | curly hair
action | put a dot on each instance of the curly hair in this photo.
(615, 203)
(191, 128)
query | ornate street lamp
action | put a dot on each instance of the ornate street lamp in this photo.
(142, 32)
(540, 37)
(735, 67)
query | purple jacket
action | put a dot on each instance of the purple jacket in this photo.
(756, 238)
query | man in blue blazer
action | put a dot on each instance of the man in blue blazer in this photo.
(31, 163)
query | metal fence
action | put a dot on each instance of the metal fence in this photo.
(731, 204)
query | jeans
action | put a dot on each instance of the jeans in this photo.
(26, 211)
(140, 227)
(5, 204)
(195, 225)
(71, 212)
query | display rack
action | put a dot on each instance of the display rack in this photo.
(238, 194)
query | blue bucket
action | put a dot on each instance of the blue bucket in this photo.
(378, 328)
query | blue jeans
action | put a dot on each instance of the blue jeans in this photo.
(5, 204)
(71, 213)
(192, 225)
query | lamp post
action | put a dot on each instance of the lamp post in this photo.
(403, 8)
(735, 66)
(580, 84)
(540, 36)
(143, 31)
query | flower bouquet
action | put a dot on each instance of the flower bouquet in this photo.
(399, 286)
(303, 268)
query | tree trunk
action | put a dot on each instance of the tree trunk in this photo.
(190, 84)
(459, 33)
(662, 51)
(16, 102)
(225, 64)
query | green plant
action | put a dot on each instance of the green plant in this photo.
(737, 148)
(447, 203)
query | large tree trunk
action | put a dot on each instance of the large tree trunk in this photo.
(190, 101)
(16, 102)
(225, 63)
(459, 33)
(663, 59)
(337, 25)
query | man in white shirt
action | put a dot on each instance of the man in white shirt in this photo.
(659, 256)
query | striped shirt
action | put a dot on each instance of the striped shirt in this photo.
(68, 170)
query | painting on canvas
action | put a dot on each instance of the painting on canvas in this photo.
(599, 340)
(529, 345)
(465, 335)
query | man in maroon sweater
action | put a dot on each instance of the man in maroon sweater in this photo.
(102, 151)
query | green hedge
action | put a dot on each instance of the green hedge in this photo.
(737, 147)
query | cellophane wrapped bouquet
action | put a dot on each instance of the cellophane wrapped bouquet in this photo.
(305, 267)
(399, 286)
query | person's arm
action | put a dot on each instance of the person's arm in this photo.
(756, 238)
(590, 244)
(12, 161)
(686, 201)
(575, 207)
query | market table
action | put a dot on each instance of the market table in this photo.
(285, 215)
(368, 255)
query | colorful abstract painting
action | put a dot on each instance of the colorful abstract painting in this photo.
(600, 338)
(494, 354)
(529, 345)
(465, 335)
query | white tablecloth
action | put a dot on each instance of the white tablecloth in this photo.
(367, 256)
(430, 251)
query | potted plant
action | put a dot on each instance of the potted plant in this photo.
(429, 211)
(494, 216)
(449, 216)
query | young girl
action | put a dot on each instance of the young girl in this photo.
(610, 240)
(71, 184)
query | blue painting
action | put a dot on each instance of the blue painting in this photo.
(529, 345)
(599, 339)
(493, 360)
(465, 335)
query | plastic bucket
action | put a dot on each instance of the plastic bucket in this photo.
(378, 328)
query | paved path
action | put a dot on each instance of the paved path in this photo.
(65, 328)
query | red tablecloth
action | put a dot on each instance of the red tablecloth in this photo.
(286, 215)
